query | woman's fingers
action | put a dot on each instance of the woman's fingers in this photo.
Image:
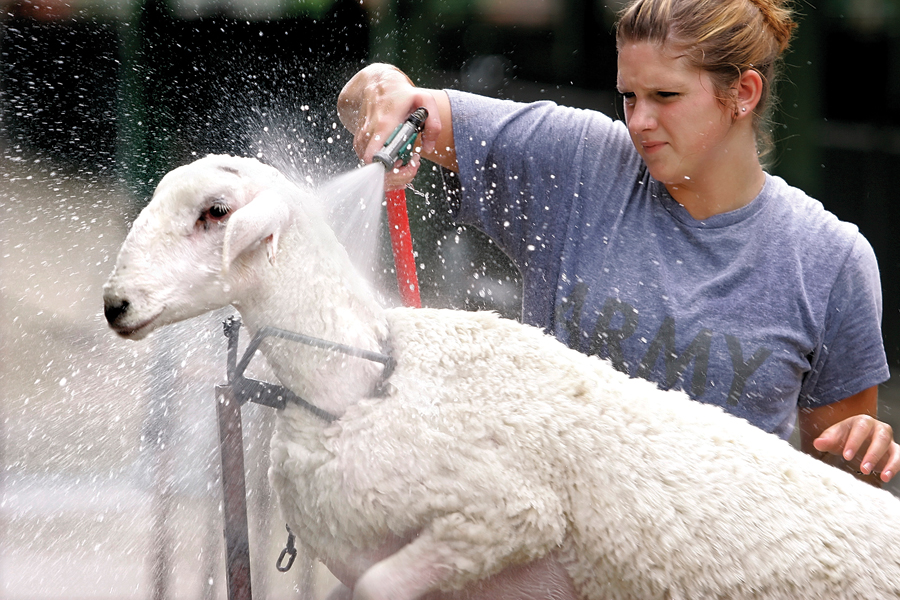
(851, 435)
(400, 176)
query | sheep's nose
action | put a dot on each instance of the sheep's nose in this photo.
(114, 308)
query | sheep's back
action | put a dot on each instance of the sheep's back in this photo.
(682, 496)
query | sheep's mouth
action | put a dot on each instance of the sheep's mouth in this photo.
(136, 332)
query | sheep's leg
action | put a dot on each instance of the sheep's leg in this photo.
(431, 562)
(340, 592)
(414, 570)
(543, 579)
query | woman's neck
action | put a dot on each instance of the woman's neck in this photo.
(734, 182)
(703, 202)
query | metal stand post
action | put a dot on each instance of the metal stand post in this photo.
(237, 542)
(229, 399)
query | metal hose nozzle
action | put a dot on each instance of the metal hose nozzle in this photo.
(400, 144)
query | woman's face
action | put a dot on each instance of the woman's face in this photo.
(678, 125)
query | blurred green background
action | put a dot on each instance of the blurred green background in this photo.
(131, 88)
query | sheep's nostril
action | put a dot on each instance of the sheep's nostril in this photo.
(113, 309)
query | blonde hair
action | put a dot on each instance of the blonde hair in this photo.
(725, 38)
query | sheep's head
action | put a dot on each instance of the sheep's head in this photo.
(189, 250)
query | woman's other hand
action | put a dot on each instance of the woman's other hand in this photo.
(849, 437)
(849, 429)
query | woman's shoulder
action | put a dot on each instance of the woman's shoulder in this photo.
(470, 101)
(477, 113)
(804, 216)
(820, 237)
(540, 144)
(544, 134)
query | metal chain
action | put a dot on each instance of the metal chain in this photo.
(289, 551)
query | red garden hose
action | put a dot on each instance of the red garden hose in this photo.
(401, 243)
(399, 146)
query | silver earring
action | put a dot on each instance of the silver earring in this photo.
(743, 109)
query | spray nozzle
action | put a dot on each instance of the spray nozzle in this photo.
(400, 144)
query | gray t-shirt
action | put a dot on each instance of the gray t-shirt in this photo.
(760, 310)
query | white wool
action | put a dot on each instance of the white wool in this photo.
(492, 444)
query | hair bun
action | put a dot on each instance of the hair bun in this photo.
(778, 15)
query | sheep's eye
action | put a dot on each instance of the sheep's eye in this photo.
(214, 214)
(218, 211)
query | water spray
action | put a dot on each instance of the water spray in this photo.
(399, 146)
(240, 389)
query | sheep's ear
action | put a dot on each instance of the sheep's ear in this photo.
(260, 221)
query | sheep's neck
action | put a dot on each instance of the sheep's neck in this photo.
(320, 296)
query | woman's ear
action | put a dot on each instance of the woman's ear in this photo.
(748, 91)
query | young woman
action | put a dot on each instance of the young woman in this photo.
(661, 243)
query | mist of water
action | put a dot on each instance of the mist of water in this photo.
(353, 203)
(318, 157)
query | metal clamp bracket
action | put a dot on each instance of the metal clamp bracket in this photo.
(276, 396)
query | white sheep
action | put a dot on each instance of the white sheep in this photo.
(491, 444)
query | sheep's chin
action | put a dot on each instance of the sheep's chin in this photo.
(139, 331)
